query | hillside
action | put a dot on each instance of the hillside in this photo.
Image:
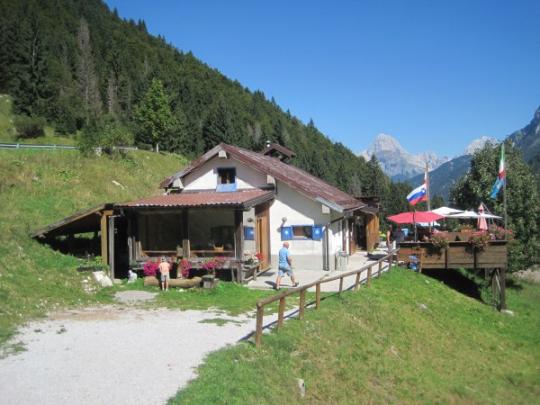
(77, 64)
(408, 339)
(443, 178)
(527, 140)
(38, 188)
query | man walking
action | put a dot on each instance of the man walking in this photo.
(285, 264)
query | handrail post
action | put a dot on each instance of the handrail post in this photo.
(369, 276)
(317, 295)
(380, 269)
(259, 327)
(302, 304)
(357, 281)
(340, 285)
(281, 310)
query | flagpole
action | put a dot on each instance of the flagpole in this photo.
(504, 203)
(426, 176)
(414, 222)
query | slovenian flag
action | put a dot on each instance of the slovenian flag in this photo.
(419, 193)
(501, 176)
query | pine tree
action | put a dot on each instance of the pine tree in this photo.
(523, 201)
(153, 116)
(86, 74)
(218, 126)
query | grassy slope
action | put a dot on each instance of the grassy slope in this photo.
(40, 187)
(8, 134)
(379, 345)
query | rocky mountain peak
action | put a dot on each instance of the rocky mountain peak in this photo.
(397, 162)
(385, 142)
(479, 143)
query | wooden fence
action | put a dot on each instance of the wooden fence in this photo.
(317, 284)
(47, 146)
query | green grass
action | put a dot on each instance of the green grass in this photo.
(8, 133)
(379, 345)
(228, 297)
(40, 187)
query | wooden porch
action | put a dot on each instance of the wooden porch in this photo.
(492, 258)
(227, 237)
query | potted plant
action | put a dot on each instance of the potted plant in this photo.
(499, 233)
(440, 241)
(185, 267)
(210, 265)
(479, 240)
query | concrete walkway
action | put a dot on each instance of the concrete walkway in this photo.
(115, 355)
(267, 280)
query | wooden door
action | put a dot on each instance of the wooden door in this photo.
(262, 234)
(352, 236)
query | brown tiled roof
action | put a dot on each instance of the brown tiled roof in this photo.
(294, 177)
(242, 199)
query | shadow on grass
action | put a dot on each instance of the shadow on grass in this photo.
(513, 284)
(454, 279)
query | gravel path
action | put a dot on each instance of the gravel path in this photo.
(110, 355)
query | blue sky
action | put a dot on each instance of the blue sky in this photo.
(434, 74)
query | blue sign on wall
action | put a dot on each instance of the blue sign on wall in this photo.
(286, 233)
(317, 232)
(249, 233)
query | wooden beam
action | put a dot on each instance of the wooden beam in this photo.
(111, 247)
(503, 287)
(281, 312)
(104, 236)
(302, 306)
(259, 327)
(357, 281)
(238, 234)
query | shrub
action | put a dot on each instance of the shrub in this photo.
(105, 134)
(29, 127)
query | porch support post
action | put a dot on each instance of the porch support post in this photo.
(502, 277)
(104, 236)
(185, 234)
(111, 247)
(130, 238)
(239, 241)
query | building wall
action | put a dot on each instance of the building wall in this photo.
(307, 254)
(205, 177)
(249, 221)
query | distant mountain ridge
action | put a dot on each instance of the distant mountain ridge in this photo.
(397, 162)
(445, 176)
(528, 138)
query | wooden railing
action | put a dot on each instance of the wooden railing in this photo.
(317, 284)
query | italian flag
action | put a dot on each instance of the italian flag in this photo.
(501, 176)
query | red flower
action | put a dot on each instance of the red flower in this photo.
(150, 268)
(259, 256)
(185, 267)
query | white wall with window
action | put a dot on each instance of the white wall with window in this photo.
(224, 171)
(303, 217)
